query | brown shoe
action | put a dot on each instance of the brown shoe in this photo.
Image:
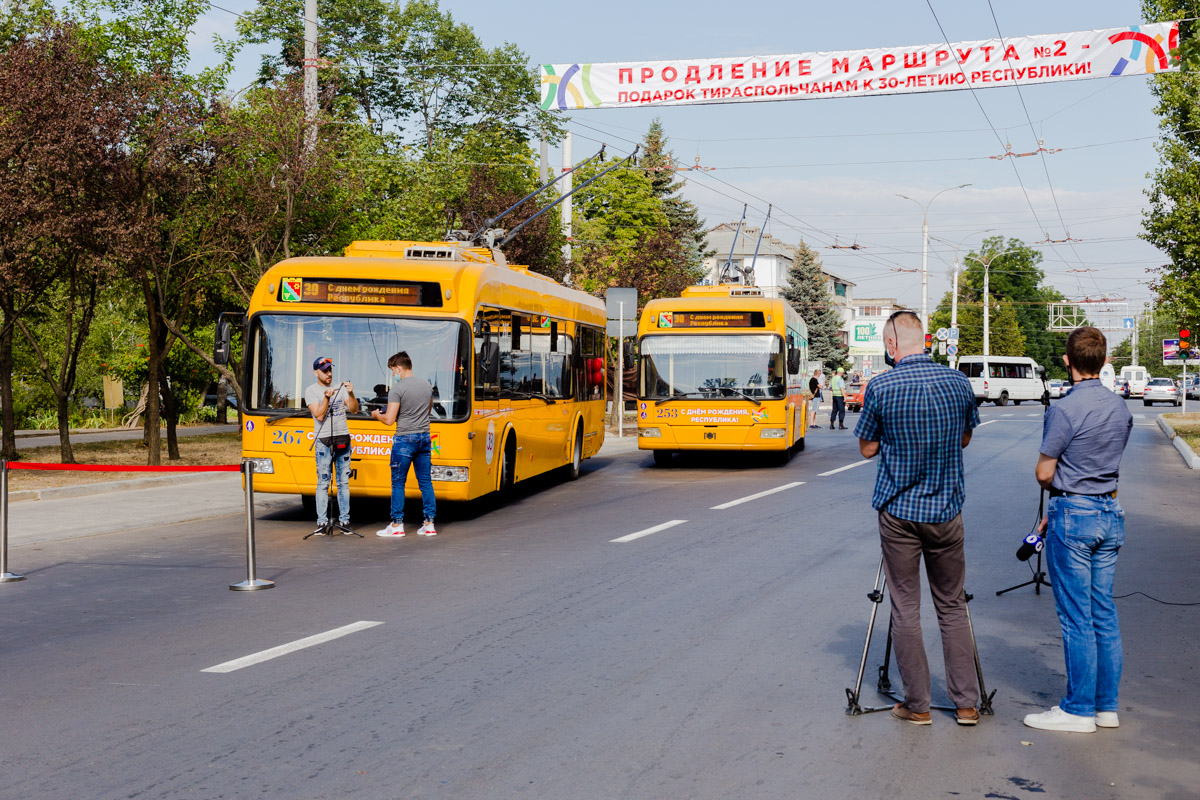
(966, 716)
(900, 711)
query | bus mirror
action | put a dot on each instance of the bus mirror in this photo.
(627, 353)
(793, 363)
(489, 362)
(221, 346)
(479, 326)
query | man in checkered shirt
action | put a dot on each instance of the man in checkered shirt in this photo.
(918, 417)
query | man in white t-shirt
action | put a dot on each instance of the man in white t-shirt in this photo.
(329, 405)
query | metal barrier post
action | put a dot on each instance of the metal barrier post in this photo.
(251, 583)
(5, 575)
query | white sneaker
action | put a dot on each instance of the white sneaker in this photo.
(1058, 720)
(427, 529)
(1107, 719)
(394, 530)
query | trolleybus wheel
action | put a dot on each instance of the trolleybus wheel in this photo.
(309, 503)
(575, 466)
(662, 458)
(508, 465)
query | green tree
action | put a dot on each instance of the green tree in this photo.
(684, 218)
(1172, 221)
(808, 293)
(1006, 338)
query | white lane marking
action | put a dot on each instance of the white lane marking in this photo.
(843, 469)
(748, 498)
(1006, 415)
(1139, 416)
(649, 531)
(1035, 414)
(291, 647)
(989, 422)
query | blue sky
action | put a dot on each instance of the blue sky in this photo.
(832, 168)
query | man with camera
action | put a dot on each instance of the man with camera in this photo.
(918, 417)
(329, 405)
(1083, 437)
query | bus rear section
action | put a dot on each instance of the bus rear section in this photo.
(714, 374)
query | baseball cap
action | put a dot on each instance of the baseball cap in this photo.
(841, 371)
(323, 363)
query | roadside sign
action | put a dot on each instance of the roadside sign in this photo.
(942, 348)
(622, 328)
(1127, 322)
(952, 350)
(953, 334)
(621, 304)
(943, 334)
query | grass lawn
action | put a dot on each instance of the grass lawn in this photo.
(1187, 426)
(217, 448)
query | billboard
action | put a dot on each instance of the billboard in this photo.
(866, 336)
(1043, 58)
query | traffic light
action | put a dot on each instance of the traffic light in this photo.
(1185, 345)
(928, 343)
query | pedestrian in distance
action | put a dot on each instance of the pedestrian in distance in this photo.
(814, 388)
(409, 402)
(837, 388)
(1083, 437)
(917, 418)
(332, 447)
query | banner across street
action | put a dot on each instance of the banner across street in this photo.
(1043, 58)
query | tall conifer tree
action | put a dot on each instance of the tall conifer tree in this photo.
(808, 293)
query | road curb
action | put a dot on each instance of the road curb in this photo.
(1189, 458)
(104, 487)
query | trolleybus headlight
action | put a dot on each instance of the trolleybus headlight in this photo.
(455, 474)
(262, 466)
(653, 433)
(772, 433)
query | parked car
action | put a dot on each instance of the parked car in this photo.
(1193, 389)
(854, 395)
(1122, 388)
(998, 379)
(1161, 390)
(1056, 388)
(1136, 377)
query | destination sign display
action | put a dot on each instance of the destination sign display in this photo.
(710, 319)
(359, 293)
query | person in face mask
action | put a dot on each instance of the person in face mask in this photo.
(918, 417)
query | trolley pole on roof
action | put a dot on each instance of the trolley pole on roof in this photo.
(310, 75)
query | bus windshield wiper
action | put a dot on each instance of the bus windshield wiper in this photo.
(680, 396)
(298, 412)
(513, 394)
(740, 393)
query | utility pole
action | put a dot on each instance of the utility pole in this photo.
(567, 166)
(544, 163)
(310, 75)
(925, 251)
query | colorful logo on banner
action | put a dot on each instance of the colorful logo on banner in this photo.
(557, 87)
(759, 416)
(666, 319)
(435, 444)
(1156, 54)
(291, 290)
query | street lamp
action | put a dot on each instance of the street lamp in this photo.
(925, 251)
(954, 295)
(987, 344)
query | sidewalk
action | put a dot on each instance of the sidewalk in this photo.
(32, 438)
(70, 512)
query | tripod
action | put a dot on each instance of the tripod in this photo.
(1039, 576)
(884, 684)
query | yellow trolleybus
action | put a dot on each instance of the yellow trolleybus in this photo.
(720, 371)
(515, 359)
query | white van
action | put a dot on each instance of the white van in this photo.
(1137, 378)
(1002, 378)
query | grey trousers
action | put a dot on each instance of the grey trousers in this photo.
(904, 544)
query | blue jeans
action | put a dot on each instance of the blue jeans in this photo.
(326, 463)
(1082, 541)
(414, 449)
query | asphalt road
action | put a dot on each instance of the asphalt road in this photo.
(524, 653)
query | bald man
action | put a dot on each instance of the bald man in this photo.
(917, 418)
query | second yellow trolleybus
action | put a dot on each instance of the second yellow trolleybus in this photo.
(720, 370)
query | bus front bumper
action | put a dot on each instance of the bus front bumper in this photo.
(712, 437)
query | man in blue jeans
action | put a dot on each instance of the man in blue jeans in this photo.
(329, 405)
(1083, 437)
(409, 403)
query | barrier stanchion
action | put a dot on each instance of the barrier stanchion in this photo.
(5, 575)
(251, 583)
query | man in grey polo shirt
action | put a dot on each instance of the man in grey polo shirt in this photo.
(328, 405)
(1083, 437)
(409, 403)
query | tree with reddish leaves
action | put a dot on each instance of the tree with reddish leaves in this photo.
(539, 244)
(62, 210)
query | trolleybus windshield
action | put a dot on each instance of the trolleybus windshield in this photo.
(713, 366)
(284, 346)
